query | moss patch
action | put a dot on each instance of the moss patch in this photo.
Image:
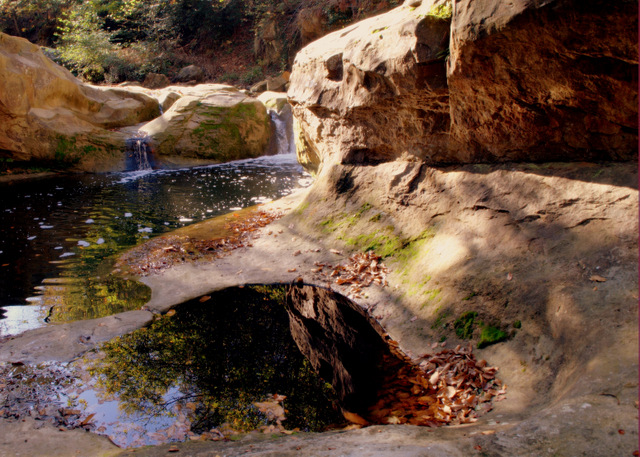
(491, 335)
(465, 325)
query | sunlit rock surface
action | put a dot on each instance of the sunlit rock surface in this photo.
(47, 114)
(519, 81)
(219, 126)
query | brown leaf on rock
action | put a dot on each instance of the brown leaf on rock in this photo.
(597, 278)
(163, 252)
(440, 390)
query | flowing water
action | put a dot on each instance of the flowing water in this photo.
(59, 235)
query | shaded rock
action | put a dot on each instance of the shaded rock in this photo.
(156, 81)
(375, 91)
(190, 73)
(338, 339)
(218, 126)
(47, 114)
(267, 45)
(311, 23)
(554, 80)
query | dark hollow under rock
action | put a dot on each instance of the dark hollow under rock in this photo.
(343, 344)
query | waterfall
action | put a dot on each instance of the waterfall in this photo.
(139, 154)
(282, 140)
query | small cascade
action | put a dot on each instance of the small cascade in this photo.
(139, 154)
(282, 125)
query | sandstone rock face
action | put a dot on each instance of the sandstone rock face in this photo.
(375, 91)
(47, 114)
(552, 80)
(219, 126)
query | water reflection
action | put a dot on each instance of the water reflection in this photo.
(205, 367)
(59, 236)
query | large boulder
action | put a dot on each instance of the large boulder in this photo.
(219, 125)
(544, 80)
(376, 90)
(47, 114)
(526, 80)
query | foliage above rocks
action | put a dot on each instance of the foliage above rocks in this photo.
(117, 40)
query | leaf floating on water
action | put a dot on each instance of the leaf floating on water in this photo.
(171, 312)
(87, 419)
(204, 298)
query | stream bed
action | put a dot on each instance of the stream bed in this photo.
(59, 236)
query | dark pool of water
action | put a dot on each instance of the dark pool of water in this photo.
(213, 363)
(59, 235)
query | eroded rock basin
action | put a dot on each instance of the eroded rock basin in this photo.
(571, 368)
(249, 359)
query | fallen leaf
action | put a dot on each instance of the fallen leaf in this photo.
(597, 278)
(171, 312)
(291, 270)
(335, 251)
(488, 432)
(173, 449)
(204, 298)
(355, 418)
(621, 432)
(509, 277)
(87, 419)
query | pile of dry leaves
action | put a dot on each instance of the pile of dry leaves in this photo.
(361, 270)
(165, 251)
(449, 387)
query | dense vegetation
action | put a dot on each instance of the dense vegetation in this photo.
(118, 40)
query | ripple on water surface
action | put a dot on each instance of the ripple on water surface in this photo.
(59, 236)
